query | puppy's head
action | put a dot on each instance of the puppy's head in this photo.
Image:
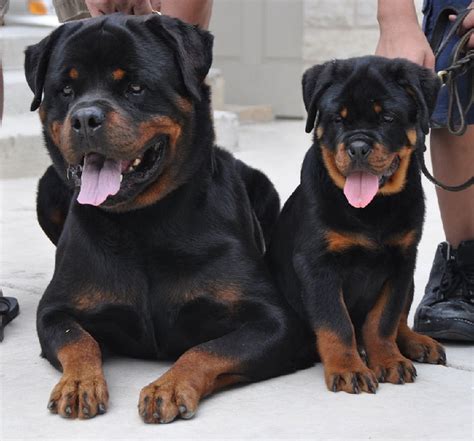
(117, 98)
(369, 114)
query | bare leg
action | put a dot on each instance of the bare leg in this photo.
(191, 11)
(453, 163)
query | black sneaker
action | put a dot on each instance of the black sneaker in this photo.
(447, 309)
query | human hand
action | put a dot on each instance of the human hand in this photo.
(136, 7)
(405, 40)
(466, 25)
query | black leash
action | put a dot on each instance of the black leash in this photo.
(421, 161)
(462, 62)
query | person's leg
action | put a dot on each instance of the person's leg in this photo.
(194, 12)
(447, 309)
(453, 163)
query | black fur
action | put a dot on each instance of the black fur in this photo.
(151, 280)
(334, 291)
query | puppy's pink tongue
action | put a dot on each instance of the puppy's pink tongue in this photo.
(360, 188)
(99, 180)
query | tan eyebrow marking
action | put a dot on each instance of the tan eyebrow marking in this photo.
(73, 74)
(118, 74)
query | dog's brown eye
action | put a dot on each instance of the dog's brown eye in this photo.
(135, 88)
(388, 118)
(67, 90)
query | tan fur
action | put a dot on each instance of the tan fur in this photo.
(118, 74)
(340, 241)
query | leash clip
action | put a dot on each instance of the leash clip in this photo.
(442, 75)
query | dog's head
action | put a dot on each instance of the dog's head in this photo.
(369, 114)
(117, 98)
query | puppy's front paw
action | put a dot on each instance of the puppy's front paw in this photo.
(166, 398)
(79, 397)
(395, 370)
(353, 380)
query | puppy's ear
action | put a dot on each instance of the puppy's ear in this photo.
(192, 47)
(37, 59)
(423, 85)
(316, 80)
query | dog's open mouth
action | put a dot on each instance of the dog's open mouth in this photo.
(362, 186)
(101, 177)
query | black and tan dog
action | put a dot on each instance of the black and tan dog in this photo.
(160, 244)
(345, 245)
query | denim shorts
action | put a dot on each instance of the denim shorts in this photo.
(431, 9)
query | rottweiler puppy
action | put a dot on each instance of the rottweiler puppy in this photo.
(344, 248)
(160, 235)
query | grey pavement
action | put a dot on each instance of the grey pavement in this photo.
(439, 405)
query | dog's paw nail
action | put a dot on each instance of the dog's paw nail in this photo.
(102, 409)
(52, 405)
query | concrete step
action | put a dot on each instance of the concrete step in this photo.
(18, 95)
(22, 151)
(256, 113)
(15, 39)
(21, 147)
(215, 80)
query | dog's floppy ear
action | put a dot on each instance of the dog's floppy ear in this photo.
(423, 85)
(192, 47)
(316, 80)
(37, 60)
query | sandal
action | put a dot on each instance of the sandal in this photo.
(9, 309)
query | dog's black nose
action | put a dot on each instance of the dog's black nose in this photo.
(358, 150)
(87, 120)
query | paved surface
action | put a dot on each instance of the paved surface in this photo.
(438, 406)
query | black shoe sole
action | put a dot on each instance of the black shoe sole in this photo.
(454, 330)
(10, 310)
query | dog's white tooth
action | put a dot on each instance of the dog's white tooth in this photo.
(137, 162)
(121, 178)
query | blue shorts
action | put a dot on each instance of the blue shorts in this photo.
(431, 9)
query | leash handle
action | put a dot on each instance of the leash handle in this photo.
(439, 40)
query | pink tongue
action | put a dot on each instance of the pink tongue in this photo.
(360, 188)
(99, 180)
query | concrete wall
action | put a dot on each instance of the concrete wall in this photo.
(340, 29)
(263, 46)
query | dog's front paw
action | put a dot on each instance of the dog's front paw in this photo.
(396, 370)
(352, 380)
(166, 398)
(79, 397)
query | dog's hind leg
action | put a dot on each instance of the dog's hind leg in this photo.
(52, 204)
(263, 198)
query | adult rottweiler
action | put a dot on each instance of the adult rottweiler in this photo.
(345, 245)
(159, 233)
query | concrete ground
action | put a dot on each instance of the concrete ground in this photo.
(298, 406)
